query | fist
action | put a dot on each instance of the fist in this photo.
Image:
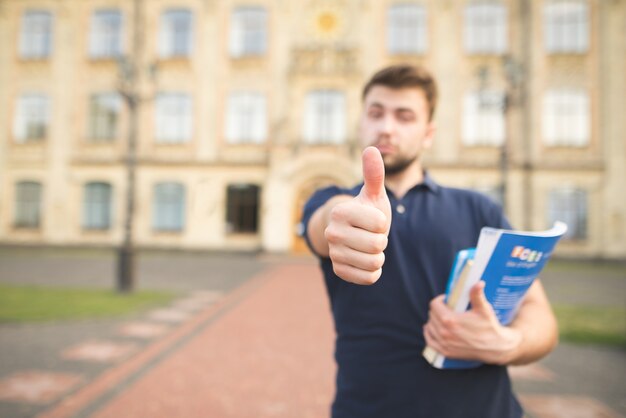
(357, 229)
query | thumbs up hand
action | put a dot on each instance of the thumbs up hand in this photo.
(357, 229)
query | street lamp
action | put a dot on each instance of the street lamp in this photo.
(126, 253)
(128, 89)
(489, 101)
(514, 76)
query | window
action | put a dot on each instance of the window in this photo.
(566, 26)
(104, 115)
(169, 207)
(325, 117)
(406, 29)
(31, 118)
(248, 32)
(175, 37)
(173, 118)
(569, 205)
(36, 35)
(485, 28)
(566, 118)
(483, 118)
(27, 204)
(97, 206)
(242, 213)
(246, 120)
(106, 34)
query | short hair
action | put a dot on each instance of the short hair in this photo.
(405, 76)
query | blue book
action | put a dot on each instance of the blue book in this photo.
(508, 261)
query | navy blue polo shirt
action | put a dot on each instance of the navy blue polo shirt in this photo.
(381, 371)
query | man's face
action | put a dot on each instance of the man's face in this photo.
(396, 122)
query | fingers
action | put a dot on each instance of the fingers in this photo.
(365, 217)
(441, 320)
(358, 259)
(357, 240)
(355, 275)
(478, 300)
(434, 339)
(373, 173)
(357, 254)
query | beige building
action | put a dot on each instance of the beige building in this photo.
(246, 106)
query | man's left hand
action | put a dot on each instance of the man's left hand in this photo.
(472, 335)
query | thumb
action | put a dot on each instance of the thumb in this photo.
(373, 174)
(478, 300)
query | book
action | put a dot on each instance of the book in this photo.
(508, 261)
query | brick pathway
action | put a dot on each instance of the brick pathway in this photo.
(261, 350)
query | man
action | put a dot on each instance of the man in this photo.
(386, 248)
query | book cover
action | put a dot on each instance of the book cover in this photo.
(508, 261)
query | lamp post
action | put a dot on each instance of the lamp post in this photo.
(514, 77)
(128, 89)
(126, 253)
(487, 101)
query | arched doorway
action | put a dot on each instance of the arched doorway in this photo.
(298, 243)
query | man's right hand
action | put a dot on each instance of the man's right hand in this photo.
(358, 228)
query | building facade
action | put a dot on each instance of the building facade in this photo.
(243, 108)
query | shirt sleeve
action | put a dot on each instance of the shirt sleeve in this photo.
(496, 217)
(316, 201)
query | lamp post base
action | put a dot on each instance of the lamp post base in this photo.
(126, 270)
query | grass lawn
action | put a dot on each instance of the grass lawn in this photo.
(584, 266)
(38, 304)
(592, 324)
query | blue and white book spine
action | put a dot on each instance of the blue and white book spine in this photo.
(508, 262)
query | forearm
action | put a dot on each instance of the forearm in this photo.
(536, 326)
(318, 223)
(478, 335)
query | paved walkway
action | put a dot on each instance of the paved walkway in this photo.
(262, 348)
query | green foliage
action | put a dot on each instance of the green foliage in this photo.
(38, 304)
(592, 324)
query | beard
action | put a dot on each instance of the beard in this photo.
(398, 165)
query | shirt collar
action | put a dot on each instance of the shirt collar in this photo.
(429, 183)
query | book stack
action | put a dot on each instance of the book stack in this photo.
(508, 262)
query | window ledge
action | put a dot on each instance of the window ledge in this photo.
(29, 144)
(174, 59)
(168, 232)
(34, 60)
(96, 231)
